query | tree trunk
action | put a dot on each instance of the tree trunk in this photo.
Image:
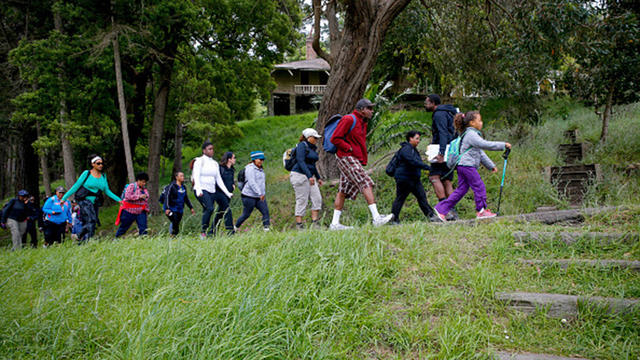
(606, 116)
(366, 23)
(177, 158)
(67, 151)
(157, 129)
(44, 166)
(123, 111)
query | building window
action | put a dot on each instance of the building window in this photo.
(304, 78)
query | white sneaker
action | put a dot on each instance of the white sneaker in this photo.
(382, 219)
(339, 227)
(266, 228)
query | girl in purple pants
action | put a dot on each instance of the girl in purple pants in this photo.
(471, 156)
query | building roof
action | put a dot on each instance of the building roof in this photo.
(308, 65)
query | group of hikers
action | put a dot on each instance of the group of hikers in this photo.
(213, 182)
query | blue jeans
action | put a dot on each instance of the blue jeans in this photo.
(208, 201)
(250, 203)
(127, 219)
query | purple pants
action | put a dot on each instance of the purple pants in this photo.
(467, 177)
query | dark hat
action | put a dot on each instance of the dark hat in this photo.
(61, 189)
(23, 193)
(364, 103)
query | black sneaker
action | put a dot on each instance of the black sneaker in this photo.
(453, 215)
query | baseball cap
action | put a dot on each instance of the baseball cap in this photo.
(23, 193)
(309, 132)
(61, 189)
(364, 103)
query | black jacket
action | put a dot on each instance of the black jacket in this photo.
(228, 176)
(306, 158)
(442, 126)
(409, 163)
(16, 210)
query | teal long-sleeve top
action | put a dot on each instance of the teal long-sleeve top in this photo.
(93, 184)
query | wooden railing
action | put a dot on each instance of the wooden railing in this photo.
(309, 89)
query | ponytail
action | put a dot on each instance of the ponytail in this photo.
(461, 120)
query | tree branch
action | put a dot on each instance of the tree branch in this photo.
(317, 14)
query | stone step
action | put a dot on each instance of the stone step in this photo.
(573, 237)
(602, 263)
(572, 153)
(565, 306)
(501, 355)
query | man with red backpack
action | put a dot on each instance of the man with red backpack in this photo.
(350, 139)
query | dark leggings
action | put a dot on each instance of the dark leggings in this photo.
(250, 203)
(53, 232)
(32, 232)
(403, 189)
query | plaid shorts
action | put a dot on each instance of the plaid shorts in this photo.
(353, 178)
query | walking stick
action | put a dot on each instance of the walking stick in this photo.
(505, 156)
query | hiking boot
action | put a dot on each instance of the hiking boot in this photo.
(315, 225)
(485, 213)
(339, 227)
(452, 215)
(382, 219)
(439, 217)
(299, 226)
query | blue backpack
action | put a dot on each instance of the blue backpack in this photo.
(330, 128)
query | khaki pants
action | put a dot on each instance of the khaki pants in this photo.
(17, 230)
(304, 191)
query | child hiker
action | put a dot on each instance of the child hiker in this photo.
(471, 156)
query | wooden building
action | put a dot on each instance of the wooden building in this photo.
(298, 82)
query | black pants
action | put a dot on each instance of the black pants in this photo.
(250, 203)
(403, 189)
(53, 232)
(31, 231)
(208, 201)
(175, 218)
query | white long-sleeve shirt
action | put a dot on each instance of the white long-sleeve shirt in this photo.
(206, 174)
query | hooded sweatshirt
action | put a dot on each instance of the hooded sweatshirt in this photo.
(409, 163)
(442, 126)
(255, 185)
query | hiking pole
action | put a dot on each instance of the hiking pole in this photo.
(505, 156)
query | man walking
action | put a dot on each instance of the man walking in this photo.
(440, 176)
(350, 138)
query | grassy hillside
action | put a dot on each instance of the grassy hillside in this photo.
(417, 291)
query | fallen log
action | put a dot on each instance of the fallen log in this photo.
(565, 306)
(573, 237)
(547, 217)
(564, 263)
(529, 356)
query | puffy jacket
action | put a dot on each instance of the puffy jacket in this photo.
(306, 158)
(442, 127)
(410, 163)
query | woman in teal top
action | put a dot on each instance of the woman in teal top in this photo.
(87, 188)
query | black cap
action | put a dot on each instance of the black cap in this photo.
(61, 189)
(364, 103)
(23, 193)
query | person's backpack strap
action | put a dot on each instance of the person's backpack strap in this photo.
(352, 125)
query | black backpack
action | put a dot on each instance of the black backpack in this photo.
(241, 179)
(164, 193)
(393, 164)
(289, 157)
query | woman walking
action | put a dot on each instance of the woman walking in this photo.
(407, 176)
(57, 217)
(305, 178)
(88, 189)
(227, 172)
(174, 201)
(254, 190)
(14, 217)
(206, 178)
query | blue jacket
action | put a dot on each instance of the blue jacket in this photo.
(410, 163)
(306, 158)
(176, 198)
(57, 211)
(442, 126)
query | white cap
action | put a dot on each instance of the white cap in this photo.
(309, 132)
